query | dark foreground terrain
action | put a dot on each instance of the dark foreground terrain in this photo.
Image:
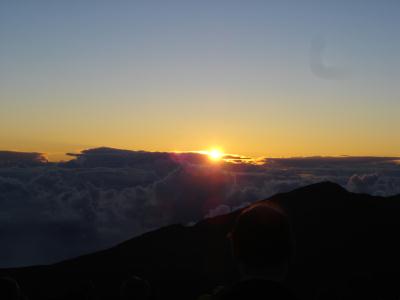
(339, 236)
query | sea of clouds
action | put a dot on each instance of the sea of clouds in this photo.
(53, 211)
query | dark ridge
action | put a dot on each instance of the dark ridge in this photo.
(338, 235)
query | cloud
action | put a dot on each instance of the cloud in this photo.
(50, 212)
(218, 211)
(363, 183)
(12, 158)
(377, 184)
(333, 162)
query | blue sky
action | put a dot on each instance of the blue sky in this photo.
(189, 75)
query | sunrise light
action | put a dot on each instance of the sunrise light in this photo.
(215, 154)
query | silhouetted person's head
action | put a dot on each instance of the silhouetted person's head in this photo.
(135, 288)
(261, 241)
(9, 289)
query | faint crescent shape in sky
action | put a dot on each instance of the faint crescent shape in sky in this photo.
(317, 65)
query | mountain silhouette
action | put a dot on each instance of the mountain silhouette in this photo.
(339, 235)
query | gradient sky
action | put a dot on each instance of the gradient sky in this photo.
(274, 78)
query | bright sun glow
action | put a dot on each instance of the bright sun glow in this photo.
(215, 154)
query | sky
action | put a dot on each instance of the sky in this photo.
(274, 78)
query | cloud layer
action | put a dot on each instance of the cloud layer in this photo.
(51, 211)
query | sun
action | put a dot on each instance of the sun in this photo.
(215, 154)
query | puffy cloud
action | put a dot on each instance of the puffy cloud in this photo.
(377, 184)
(49, 212)
(218, 211)
(363, 183)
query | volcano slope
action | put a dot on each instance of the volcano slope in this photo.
(339, 236)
